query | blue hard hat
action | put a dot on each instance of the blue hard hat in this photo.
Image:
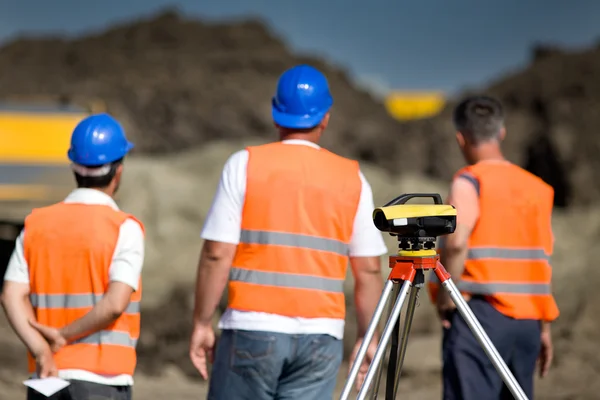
(97, 140)
(302, 98)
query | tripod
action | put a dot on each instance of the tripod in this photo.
(408, 274)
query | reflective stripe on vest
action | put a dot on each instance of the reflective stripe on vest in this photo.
(41, 301)
(68, 267)
(510, 246)
(297, 222)
(294, 240)
(490, 288)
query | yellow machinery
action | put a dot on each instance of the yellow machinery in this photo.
(34, 169)
(408, 105)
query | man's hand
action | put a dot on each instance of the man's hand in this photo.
(213, 273)
(546, 354)
(44, 363)
(202, 346)
(364, 367)
(54, 336)
(445, 308)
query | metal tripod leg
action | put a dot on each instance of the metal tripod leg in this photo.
(393, 360)
(418, 282)
(377, 383)
(385, 337)
(484, 340)
(362, 351)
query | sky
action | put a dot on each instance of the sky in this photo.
(386, 45)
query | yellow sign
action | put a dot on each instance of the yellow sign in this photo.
(414, 105)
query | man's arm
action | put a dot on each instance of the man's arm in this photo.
(464, 197)
(16, 303)
(124, 276)
(18, 309)
(221, 233)
(105, 312)
(213, 273)
(368, 286)
(366, 248)
(546, 324)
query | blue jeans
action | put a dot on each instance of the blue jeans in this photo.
(257, 365)
(469, 374)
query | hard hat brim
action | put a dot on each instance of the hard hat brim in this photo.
(106, 160)
(297, 121)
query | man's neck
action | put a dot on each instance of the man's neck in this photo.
(309, 137)
(109, 191)
(487, 152)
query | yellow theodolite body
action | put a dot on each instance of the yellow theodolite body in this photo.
(416, 225)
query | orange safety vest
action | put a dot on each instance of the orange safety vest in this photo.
(69, 249)
(510, 246)
(297, 223)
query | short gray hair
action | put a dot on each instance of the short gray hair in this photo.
(479, 118)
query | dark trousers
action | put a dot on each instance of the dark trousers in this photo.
(252, 365)
(468, 374)
(82, 390)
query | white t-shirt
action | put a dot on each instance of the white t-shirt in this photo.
(126, 267)
(223, 224)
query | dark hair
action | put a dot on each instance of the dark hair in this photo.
(288, 131)
(98, 182)
(479, 118)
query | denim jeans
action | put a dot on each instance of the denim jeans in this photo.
(82, 390)
(267, 366)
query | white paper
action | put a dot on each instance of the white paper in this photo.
(47, 386)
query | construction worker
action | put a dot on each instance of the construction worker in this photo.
(73, 287)
(286, 218)
(499, 258)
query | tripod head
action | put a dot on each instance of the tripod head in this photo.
(415, 225)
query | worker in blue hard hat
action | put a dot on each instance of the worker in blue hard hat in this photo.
(72, 288)
(286, 219)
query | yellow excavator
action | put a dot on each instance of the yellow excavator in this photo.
(34, 168)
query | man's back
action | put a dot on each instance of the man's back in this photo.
(508, 194)
(68, 242)
(297, 222)
(69, 249)
(311, 191)
(511, 242)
